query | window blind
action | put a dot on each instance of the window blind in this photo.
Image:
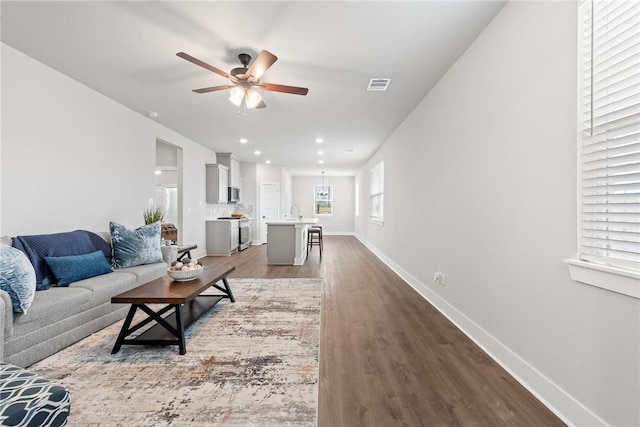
(610, 133)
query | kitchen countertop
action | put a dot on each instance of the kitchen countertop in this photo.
(293, 221)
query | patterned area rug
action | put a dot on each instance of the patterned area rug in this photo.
(252, 362)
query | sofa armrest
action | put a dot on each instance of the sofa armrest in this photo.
(169, 253)
(6, 320)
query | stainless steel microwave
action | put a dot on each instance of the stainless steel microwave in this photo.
(234, 195)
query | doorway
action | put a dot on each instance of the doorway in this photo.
(269, 206)
(168, 193)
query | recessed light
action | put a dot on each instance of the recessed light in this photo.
(320, 153)
(152, 114)
(319, 140)
(243, 140)
(268, 162)
(158, 171)
(321, 161)
(257, 152)
(350, 150)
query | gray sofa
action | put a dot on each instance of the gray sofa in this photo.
(61, 316)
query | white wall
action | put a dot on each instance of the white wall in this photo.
(342, 220)
(74, 159)
(248, 191)
(490, 155)
(286, 192)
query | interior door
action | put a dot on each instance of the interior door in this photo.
(269, 206)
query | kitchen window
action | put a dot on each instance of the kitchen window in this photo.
(609, 146)
(376, 193)
(323, 199)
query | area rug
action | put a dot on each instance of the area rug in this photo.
(251, 363)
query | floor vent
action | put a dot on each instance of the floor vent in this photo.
(378, 84)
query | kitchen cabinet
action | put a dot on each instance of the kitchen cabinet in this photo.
(222, 236)
(233, 163)
(234, 173)
(217, 183)
(287, 241)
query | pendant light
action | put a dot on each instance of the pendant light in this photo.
(322, 192)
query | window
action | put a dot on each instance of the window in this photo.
(376, 192)
(323, 199)
(609, 134)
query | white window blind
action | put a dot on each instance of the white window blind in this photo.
(376, 192)
(610, 133)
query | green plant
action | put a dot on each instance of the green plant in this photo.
(153, 214)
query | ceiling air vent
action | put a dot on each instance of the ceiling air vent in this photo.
(378, 84)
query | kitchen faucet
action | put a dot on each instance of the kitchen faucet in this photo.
(291, 212)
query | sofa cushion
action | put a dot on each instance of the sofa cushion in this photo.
(51, 306)
(145, 273)
(36, 247)
(17, 278)
(107, 285)
(69, 269)
(133, 247)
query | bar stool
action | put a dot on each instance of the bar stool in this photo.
(314, 238)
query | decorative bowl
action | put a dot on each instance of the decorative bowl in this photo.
(184, 275)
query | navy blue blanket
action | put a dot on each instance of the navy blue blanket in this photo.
(78, 242)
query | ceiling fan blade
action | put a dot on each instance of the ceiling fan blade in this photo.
(261, 105)
(203, 64)
(260, 65)
(213, 88)
(282, 88)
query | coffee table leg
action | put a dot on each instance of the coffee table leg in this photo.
(125, 329)
(226, 290)
(180, 327)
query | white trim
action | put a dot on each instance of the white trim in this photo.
(338, 233)
(625, 282)
(561, 403)
(199, 253)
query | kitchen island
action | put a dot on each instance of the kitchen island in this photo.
(287, 241)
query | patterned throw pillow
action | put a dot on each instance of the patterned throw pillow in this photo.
(133, 247)
(17, 278)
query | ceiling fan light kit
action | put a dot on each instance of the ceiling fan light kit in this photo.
(245, 79)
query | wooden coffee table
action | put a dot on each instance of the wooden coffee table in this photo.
(184, 298)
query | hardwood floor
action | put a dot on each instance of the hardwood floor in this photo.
(387, 357)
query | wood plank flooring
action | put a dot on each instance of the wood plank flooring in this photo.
(389, 358)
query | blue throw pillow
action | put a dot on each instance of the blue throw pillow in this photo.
(69, 269)
(135, 246)
(17, 278)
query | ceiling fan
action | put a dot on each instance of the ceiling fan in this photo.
(245, 79)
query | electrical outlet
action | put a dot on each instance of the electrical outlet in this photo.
(439, 278)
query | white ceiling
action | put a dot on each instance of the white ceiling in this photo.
(127, 51)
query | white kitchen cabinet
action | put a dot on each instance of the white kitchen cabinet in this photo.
(223, 237)
(234, 173)
(233, 163)
(217, 183)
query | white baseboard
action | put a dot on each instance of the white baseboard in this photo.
(199, 253)
(338, 233)
(565, 406)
